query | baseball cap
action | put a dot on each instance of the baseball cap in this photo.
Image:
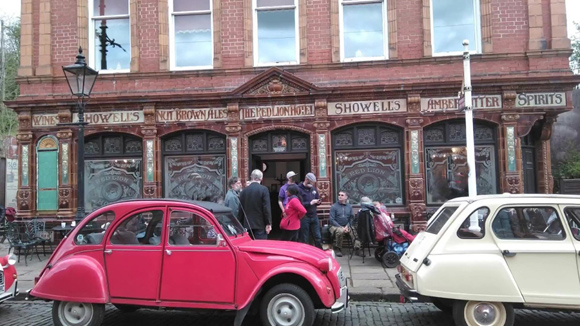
(290, 174)
(310, 176)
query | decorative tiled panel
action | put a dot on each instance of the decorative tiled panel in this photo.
(64, 163)
(322, 155)
(511, 149)
(415, 152)
(24, 165)
(234, 155)
(149, 145)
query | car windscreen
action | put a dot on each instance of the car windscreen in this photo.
(230, 224)
(439, 221)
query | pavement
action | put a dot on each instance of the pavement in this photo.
(367, 281)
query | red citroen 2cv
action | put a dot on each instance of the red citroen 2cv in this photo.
(8, 278)
(183, 254)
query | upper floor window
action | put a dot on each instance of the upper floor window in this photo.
(363, 34)
(191, 33)
(275, 32)
(110, 35)
(453, 21)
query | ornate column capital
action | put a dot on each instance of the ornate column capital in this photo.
(65, 134)
(233, 122)
(509, 99)
(149, 131)
(64, 115)
(24, 137)
(149, 113)
(414, 103)
(24, 120)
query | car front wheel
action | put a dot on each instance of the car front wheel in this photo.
(288, 305)
(482, 313)
(77, 313)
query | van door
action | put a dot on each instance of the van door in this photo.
(572, 214)
(539, 253)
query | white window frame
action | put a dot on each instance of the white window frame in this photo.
(93, 56)
(385, 55)
(476, 22)
(255, 34)
(172, 52)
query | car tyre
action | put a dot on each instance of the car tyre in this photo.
(126, 308)
(77, 313)
(390, 259)
(444, 305)
(287, 304)
(473, 313)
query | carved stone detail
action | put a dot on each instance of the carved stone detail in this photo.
(24, 137)
(233, 124)
(321, 125)
(149, 131)
(414, 122)
(417, 212)
(510, 117)
(414, 103)
(321, 108)
(149, 191)
(23, 199)
(64, 198)
(418, 227)
(324, 190)
(149, 113)
(275, 86)
(64, 116)
(416, 189)
(514, 184)
(24, 120)
(547, 127)
(64, 134)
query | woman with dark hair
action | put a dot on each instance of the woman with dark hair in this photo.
(294, 211)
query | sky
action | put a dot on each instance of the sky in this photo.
(11, 8)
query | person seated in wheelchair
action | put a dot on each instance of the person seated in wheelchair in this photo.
(341, 215)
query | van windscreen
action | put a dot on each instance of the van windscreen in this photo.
(440, 220)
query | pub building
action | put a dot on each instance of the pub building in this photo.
(388, 128)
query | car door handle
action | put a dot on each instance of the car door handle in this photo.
(108, 251)
(168, 252)
(507, 253)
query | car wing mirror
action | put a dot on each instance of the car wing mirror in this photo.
(221, 242)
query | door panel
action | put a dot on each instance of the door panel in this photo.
(539, 254)
(572, 215)
(47, 180)
(528, 160)
(194, 267)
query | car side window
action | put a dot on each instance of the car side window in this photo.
(93, 232)
(190, 229)
(530, 223)
(140, 229)
(474, 225)
(573, 217)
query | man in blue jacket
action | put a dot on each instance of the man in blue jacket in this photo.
(310, 200)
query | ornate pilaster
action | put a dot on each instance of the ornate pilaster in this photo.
(24, 198)
(64, 187)
(510, 155)
(152, 175)
(416, 174)
(545, 178)
(322, 168)
(233, 129)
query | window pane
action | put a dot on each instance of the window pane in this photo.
(108, 181)
(193, 46)
(453, 22)
(195, 177)
(530, 223)
(573, 217)
(274, 3)
(447, 172)
(374, 173)
(110, 7)
(440, 220)
(186, 229)
(191, 5)
(140, 229)
(93, 232)
(276, 36)
(363, 30)
(474, 225)
(114, 36)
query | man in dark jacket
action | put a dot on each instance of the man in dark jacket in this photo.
(255, 212)
(310, 200)
(341, 215)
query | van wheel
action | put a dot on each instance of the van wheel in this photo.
(482, 313)
(126, 308)
(444, 305)
(288, 305)
(390, 259)
(77, 313)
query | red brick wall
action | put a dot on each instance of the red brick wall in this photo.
(64, 34)
(319, 41)
(232, 34)
(148, 35)
(510, 26)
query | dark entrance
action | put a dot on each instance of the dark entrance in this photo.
(276, 153)
(529, 164)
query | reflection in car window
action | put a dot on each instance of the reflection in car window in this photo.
(531, 223)
(187, 228)
(140, 229)
(439, 221)
(230, 224)
(474, 225)
(573, 218)
(93, 232)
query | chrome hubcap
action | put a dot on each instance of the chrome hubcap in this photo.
(285, 310)
(485, 314)
(75, 313)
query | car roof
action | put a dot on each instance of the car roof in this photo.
(518, 198)
(210, 206)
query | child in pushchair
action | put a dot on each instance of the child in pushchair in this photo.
(392, 241)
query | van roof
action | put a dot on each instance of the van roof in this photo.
(524, 197)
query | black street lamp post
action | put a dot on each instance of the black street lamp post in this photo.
(81, 79)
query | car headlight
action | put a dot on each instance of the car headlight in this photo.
(11, 260)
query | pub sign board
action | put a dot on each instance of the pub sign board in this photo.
(453, 103)
(367, 107)
(526, 100)
(277, 112)
(92, 118)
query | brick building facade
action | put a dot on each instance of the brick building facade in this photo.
(363, 94)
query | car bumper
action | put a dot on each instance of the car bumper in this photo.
(407, 293)
(342, 302)
(10, 293)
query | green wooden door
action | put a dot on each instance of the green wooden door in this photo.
(47, 180)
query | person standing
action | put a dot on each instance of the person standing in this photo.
(310, 200)
(255, 212)
(232, 201)
(282, 197)
(341, 214)
(293, 213)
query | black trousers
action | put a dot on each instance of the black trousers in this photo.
(290, 235)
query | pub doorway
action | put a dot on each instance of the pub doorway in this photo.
(276, 153)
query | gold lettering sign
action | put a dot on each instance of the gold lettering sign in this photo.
(541, 100)
(452, 103)
(277, 111)
(367, 107)
(44, 120)
(114, 117)
(184, 115)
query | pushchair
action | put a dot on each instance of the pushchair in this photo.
(392, 242)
